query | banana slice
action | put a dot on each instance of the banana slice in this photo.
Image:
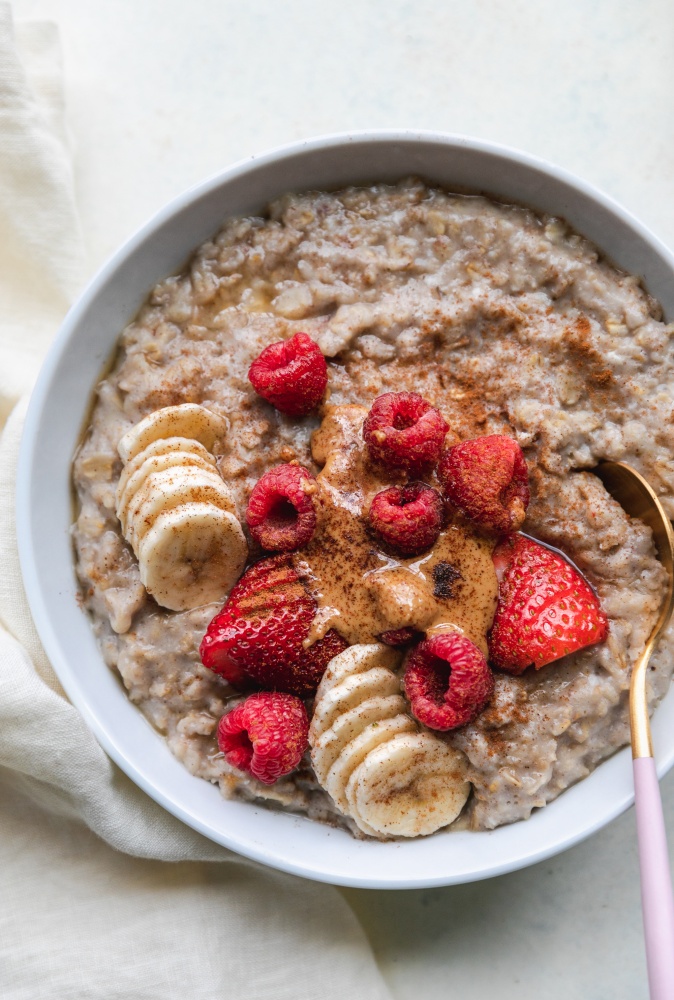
(357, 750)
(349, 693)
(347, 727)
(162, 446)
(356, 660)
(157, 463)
(364, 828)
(408, 786)
(371, 758)
(188, 420)
(175, 510)
(192, 555)
(171, 488)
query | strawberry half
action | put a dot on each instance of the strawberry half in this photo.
(259, 634)
(546, 609)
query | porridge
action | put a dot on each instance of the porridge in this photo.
(508, 338)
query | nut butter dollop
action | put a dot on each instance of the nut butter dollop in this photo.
(362, 591)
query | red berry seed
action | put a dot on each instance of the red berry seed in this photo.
(487, 479)
(258, 636)
(404, 431)
(265, 736)
(291, 375)
(280, 512)
(448, 681)
(408, 518)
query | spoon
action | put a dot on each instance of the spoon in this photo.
(638, 499)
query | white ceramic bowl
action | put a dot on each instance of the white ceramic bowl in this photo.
(55, 418)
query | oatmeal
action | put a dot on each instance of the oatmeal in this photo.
(507, 323)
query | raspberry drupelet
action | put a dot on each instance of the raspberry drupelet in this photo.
(399, 636)
(407, 518)
(292, 375)
(403, 431)
(280, 513)
(487, 479)
(265, 736)
(448, 681)
(258, 636)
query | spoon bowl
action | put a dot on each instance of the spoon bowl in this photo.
(637, 497)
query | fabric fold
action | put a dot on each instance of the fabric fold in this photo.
(89, 907)
(42, 258)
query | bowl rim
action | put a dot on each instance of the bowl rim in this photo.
(37, 595)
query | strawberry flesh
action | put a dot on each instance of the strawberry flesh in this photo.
(258, 636)
(546, 609)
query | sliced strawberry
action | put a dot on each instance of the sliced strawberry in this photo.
(259, 634)
(546, 609)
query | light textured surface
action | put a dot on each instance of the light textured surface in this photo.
(162, 93)
(77, 918)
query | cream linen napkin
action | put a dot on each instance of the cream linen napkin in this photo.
(77, 918)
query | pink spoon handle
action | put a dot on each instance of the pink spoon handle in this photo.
(657, 901)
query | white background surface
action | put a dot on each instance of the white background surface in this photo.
(188, 88)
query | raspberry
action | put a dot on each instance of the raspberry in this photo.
(487, 479)
(545, 610)
(408, 518)
(399, 636)
(403, 431)
(280, 513)
(448, 681)
(259, 634)
(265, 736)
(291, 375)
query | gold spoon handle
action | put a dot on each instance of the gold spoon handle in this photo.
(640, 727)
(640, 500)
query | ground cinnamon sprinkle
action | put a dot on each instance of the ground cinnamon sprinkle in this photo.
(588, 361)
(505, 321)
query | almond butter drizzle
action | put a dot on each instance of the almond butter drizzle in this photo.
(362, 591)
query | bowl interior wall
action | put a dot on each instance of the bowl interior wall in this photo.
(57, 412)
